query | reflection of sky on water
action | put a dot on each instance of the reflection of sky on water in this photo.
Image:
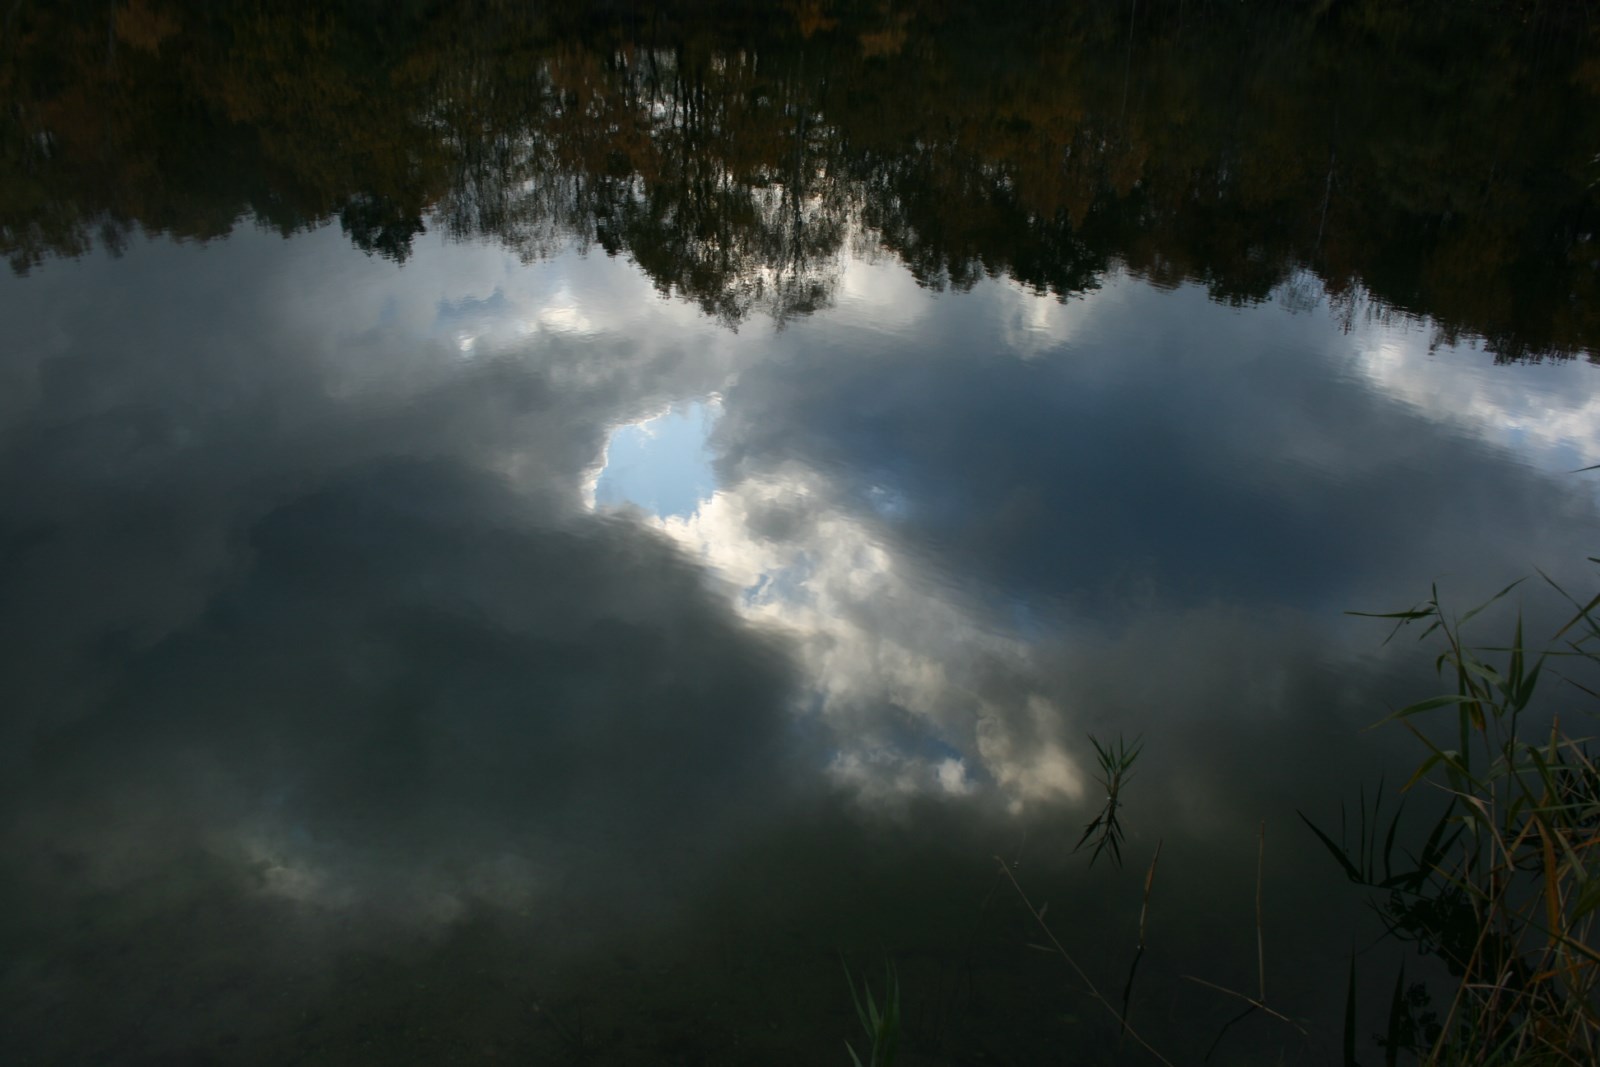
(918, 491)
(904, 482)
(661, 464)
(402, 594)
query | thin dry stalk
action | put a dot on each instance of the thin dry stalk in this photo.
(1138, 954)
(1083, 977)
(1261, 951)
(1149, 880)
(1252, 1001)
(1259, 1002)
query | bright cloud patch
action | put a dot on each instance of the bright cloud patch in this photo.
(898, 667)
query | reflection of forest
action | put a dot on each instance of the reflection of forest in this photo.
(1438, 157)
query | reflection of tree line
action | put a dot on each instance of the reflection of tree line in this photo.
(1439, 157)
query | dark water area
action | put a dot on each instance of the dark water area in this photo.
(530, 535)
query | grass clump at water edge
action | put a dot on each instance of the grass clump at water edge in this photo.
(1506, 885)
(882, 1026)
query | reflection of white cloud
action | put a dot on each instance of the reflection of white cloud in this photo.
(878, 295)
(894, 661)
(361, 319)
(1547, 413)
(1032, 324)
(591, 476)
(290, 868)
(296, 877)
(564, 315)
(1028, 772)
(953, 777)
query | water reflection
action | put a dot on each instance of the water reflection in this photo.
(739, 161)
(478, 648)
(661, 464)
(326, 622)
(946, 642)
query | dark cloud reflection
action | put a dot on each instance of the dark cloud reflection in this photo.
(341, 726)
(291, 675)
(1180, 455)
(409, 673)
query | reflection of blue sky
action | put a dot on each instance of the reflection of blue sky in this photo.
(662, 464)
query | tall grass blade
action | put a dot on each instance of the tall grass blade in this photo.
(1350, 1016)
(882, 1026)
(1397, 1014)
(1337, 852)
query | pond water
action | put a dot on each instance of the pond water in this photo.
(531, 537)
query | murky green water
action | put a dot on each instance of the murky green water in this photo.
(529, 535)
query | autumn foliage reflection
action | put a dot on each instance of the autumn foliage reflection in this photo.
(1426, 158)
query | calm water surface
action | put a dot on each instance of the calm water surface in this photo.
(528, 539)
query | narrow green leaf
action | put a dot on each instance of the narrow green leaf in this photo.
(1429, 704)
(1422, 769)
(1484, 671)
(1490, 601)
(1338, 853)
(1583, 612)
(1388, 843)
(1524, 692)
(1514, 667)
